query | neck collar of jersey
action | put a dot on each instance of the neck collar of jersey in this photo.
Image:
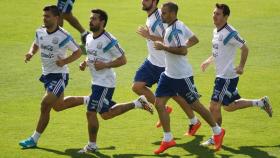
(222, 27)
(152, 12)
(57, 28)
(98, 35)
(172, 22)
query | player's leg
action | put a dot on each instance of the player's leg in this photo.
(73, 21)
(93, 126)
(65, 8)
(54, 85)
(163, 93)
(64, 103)
(46, 105)
(194, 122)
(146, 76)
(140, 88)
(113, 110)
(262, 103)
(187, 90)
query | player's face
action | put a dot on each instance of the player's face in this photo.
(165, 15)
(218, 17)
(94, 23)
(49, 19)
(147, 5)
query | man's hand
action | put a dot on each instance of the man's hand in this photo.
(28, 56)
(99, 65)
(60, 62)
(204, 65)
(239, 70)
(143, 31)
(83, 65)
(158, 45)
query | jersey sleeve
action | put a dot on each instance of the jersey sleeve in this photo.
(237, 41)
(69, 43)
(116, 51)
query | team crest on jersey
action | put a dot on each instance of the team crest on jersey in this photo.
(99, 45)
(92, 52)
(55, 40)
(41, 38)
(220, 38)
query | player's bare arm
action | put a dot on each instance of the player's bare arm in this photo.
(182, 50)
(206, 63)
(144, 32)
(244, 54)
(192, 41)
(99, 65)
(74, 56)
(32, 51)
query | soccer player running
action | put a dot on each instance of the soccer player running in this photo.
(177, 79)
(225, 42)
(53, 42)
(149, 73)
(103, 54)
(65, 8)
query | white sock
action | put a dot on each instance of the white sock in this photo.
(92, 144)
(82, 34)
(194, 120)
(167, 136)
(86, 100)
(217, 129)
(257, 103)
(137, 104)
(36, 136)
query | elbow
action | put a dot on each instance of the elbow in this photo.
(123, 61)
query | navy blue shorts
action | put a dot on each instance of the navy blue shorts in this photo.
(148, 73)
(177, 87)
(55, 82)
(101, 99)
(225, 90)
(65, 6)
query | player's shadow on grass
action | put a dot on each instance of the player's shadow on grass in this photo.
(73, 153)
(251, 151)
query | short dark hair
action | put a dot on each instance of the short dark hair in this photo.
(53, 9)
(224, 7)
(173, 7)
(102, 15)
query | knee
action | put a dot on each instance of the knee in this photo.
(57, 108)
(229, 108)
(159, 107)
(215, 107)
(137, 88)
(106, 116)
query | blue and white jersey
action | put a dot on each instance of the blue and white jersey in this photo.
(176, 35)
(54, 45)
(224, 44)
(156, 28)
(103, 48)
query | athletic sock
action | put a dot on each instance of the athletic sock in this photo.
(167, 136)
(36, 136)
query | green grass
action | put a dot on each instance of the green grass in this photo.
(250, 133)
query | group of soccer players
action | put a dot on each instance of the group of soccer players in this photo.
(168, 42)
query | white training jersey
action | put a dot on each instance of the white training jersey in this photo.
(176, 35)
(224, 44)
(54, 45)
(156, 28)
(103, 48)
